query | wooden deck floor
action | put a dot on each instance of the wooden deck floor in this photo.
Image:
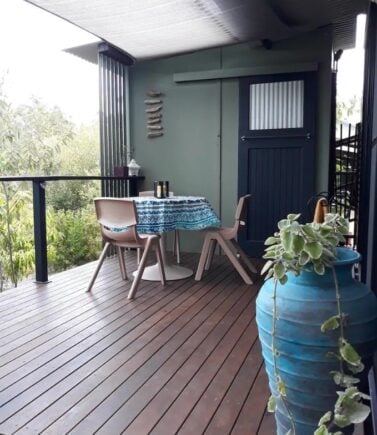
(181, 359)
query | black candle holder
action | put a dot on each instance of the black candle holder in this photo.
(161, 189)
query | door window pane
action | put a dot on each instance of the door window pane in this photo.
(276, 105)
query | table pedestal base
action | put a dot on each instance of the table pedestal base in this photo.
(172, 272)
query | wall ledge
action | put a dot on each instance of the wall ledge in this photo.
(242, 72)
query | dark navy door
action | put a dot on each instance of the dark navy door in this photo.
(276, 163)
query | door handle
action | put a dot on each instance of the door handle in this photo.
(303, 135)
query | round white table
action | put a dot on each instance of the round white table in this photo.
(159, 216)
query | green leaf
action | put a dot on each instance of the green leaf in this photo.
(322, 430)
(271, 248)
(332, 355)
(333, 239)
(344, 380)
(295, 227)
(356, 368)
(357, 412)
(271, 405)
(341, 238)
(329, 253)
(326, 230)
(281, 388)
(283, 280)
(271, 241)
(286, 240)
(279, 271)
(284, 223)
(270, 255)
(309, 231)
(266, 266)
(349, 354)
(341, 420)
(325, 418)
(349, 409)
(298, 243)
(269, 274)
(319, 268)
(293, 216)
(364, 396)
(287, 256)
(330, 217)
(314, 249)
(330, 324)
(343, 229)
(304, 258)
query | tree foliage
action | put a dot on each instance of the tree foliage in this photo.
(39, 140)
(348, 110)
(77, 157)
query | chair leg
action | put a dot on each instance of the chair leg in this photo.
(99, 265)
(211, 251)
(177, 247)
(160, 262)
(234, 260)
(203, 259)
(244, 257)
(138, 256)
(140, 271)
(122, 264)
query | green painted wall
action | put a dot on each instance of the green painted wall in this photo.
(198, 152)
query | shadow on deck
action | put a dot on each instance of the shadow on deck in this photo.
(181, 359)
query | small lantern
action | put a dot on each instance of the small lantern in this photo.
(133, 168)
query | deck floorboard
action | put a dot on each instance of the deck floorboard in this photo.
(179, 359)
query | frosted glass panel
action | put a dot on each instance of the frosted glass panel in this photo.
(276, 105)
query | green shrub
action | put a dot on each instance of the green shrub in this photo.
(73, 238)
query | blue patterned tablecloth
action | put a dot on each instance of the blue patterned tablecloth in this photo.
(174, 213)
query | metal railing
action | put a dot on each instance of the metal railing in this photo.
(346, 178)
(39, 211)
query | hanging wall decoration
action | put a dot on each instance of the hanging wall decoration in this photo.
(153, 104)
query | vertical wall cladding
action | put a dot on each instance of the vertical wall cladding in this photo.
(198, 153)
(113, 138)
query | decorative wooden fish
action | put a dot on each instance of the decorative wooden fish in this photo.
(153, 93)
(153, 109)
(153, 101)
(154, 121)
(153, 134)
(154, 116)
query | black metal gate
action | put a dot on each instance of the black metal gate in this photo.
(345, 178)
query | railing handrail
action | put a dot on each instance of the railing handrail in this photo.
(67, 177)
(39, 209)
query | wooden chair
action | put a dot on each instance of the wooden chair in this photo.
(113, 213)
(176, 242)
(226, 237)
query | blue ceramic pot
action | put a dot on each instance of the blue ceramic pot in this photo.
(303, 304)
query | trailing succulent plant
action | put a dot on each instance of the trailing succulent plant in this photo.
(312, 246)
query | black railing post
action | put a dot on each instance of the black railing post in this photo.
(133, 188)
(39, 210)
(40, 238)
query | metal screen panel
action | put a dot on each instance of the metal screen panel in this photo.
(276, 105)
(112, 122)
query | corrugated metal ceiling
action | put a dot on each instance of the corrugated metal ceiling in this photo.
(156, 28)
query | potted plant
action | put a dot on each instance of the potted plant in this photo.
(317, 327)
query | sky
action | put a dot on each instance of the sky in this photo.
(351, 69)
(34, 64)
